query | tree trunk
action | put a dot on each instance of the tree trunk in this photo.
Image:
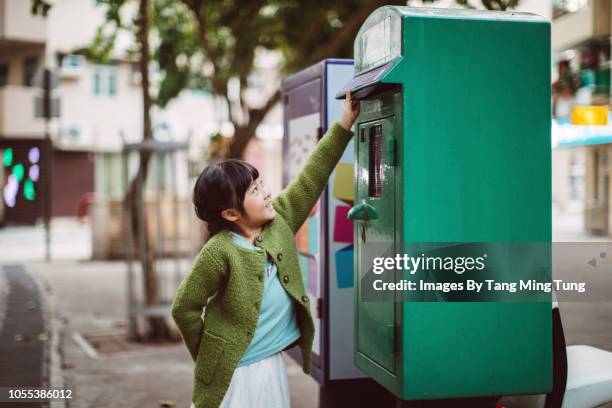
(157, 328)
(243, 134)
(241, 139)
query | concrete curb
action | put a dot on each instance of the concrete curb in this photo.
(54, 327)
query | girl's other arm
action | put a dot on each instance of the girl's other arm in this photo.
(192, 296)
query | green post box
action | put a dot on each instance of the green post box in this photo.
(452, 145)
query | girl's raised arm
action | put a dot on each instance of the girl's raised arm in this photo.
(295, 202)
(297, 199)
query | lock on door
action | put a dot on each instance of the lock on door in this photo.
(363, 212)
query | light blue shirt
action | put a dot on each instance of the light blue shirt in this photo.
(277, 326)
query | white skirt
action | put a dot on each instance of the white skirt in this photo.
(262, 384)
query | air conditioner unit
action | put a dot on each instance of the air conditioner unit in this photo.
(74, 134)
(72, 66)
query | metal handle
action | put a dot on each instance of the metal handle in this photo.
(363, 212)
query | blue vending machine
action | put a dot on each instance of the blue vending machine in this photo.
(325, 241)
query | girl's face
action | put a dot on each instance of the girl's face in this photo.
(257, 207)
(258, 204)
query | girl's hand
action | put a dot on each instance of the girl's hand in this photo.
(350, 111)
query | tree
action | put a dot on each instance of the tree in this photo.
(100, 50)
(206, 44)
(226, 36)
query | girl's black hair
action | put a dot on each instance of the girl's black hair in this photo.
(221, 186)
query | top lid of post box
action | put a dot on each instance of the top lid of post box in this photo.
(465, 13)
(378, 43)
(367, 84)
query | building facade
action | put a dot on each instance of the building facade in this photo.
(582, 127)
(100, 108)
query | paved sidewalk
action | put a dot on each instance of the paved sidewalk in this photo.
(23, 337)
(82, 298)
(70, 240)
(89, 299)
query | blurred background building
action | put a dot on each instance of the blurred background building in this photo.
(582, 131)
(100, 107)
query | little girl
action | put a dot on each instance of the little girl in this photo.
(247, 277)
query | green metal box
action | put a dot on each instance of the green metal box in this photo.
(458, 102)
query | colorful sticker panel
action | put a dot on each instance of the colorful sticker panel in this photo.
(313, 277)
(301, 238)
(344, 267)
(343, 183)
(343, 226)
(313, 235)
(304, 268)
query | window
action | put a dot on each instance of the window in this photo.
(4, 71)
(96, 83)
(73, 61)
(30, 65)
(112, 84)
(105, 80)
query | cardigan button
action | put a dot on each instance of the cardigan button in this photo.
(260, 277)
(279, 256)
(249, 334)
(259, 238)
(286, 279)
(305, 299)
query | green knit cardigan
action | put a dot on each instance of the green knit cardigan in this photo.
(227, 280)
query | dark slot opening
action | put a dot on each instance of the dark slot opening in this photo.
(375, 162)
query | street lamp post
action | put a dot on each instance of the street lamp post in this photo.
(47, 107)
